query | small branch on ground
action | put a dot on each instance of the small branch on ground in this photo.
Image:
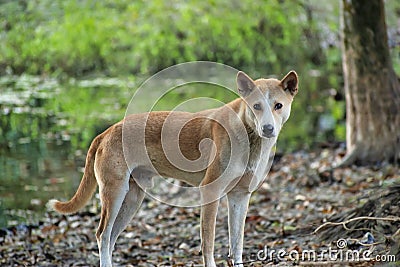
(391, 218)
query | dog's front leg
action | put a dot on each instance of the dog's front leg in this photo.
(208, 217)
(238, 202)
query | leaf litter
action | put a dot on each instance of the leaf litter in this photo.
(301, 193)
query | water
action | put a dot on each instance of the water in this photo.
(33, 172)
(45, 129)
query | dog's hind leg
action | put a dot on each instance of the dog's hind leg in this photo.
(130, 205)
(112, 194)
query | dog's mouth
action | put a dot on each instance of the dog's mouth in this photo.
(266, 135)
(271, 135)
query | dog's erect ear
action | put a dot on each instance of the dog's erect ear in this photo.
(245, 84)
(290, 82)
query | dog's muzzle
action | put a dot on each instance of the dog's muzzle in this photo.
(268, 130)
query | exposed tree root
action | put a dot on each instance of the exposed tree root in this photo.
(378, 215)
(349, 159)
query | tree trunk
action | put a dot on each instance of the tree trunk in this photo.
(371, 85)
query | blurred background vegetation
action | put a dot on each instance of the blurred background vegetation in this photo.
(69, 68)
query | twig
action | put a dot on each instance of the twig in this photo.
(397, 232)
(394, 219)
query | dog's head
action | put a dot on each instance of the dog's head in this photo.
(268, 102)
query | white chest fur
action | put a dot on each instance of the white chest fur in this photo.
(260, 160)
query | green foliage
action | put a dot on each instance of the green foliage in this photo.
(145, 36)
(119, 37)
(142, 37)
(392, 10)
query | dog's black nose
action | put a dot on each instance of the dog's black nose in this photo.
(267, 129)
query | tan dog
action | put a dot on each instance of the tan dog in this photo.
(243, 133)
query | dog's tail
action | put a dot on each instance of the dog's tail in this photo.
(86, 188)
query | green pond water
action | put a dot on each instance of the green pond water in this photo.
(46, 126)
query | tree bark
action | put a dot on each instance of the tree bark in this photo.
(371, 85)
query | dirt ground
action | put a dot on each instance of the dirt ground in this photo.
(300, 194)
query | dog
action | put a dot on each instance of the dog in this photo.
(239, 140)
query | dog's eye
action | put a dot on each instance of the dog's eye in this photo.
(278, 106)
(257, 106)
